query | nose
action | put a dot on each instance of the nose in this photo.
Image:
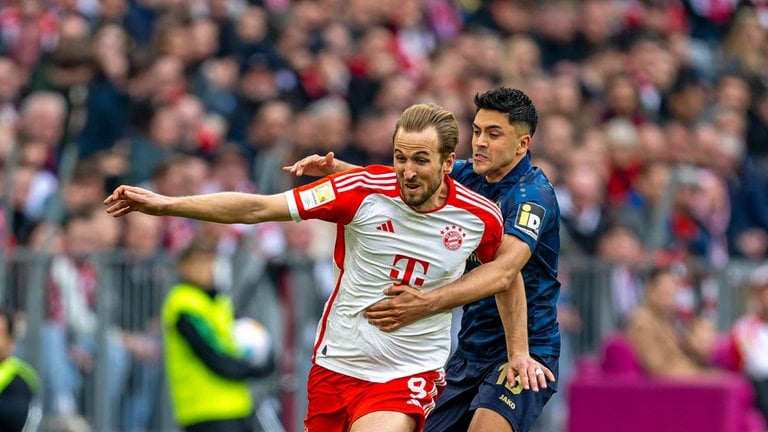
(409, 173)
(479, 140)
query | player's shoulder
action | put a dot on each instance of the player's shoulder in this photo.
(534, 186)
(474, 200)
(462, 170)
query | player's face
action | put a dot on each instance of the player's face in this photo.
(420, 171)
(497, 146)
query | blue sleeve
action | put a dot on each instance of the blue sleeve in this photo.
(460, 169)
(527, 212)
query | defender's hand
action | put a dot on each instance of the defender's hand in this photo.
(533, 375)
(314, 165)
(407, 306)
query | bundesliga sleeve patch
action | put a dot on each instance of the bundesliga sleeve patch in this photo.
(529, 218)
(317, 196)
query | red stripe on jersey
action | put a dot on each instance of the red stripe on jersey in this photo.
(469, 196)
(382, 183)
(324, 318)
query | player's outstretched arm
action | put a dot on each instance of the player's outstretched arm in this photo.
(318, 166)
(222, 207)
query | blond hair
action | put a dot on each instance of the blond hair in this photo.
(419, 117)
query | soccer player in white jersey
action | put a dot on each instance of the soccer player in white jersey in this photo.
(408, 224)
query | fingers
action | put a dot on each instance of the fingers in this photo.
(533, 375)
(548, 376)
(298, 167)
(114, 196)
(537, 379)
(119, 202)
(379, 308)
(120, 208)
(525, 380)
(385, 325)
(394, 290)
(542, 374)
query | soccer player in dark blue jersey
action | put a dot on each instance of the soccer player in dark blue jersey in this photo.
(489, 374)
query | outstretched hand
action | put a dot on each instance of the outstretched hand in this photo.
(406, 306)
(533, 375)
(313, 165)
(128, 199)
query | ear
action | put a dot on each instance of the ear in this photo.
(448, 162)
(523, 144)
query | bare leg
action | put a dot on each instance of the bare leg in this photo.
(487, 420)
(384, 421)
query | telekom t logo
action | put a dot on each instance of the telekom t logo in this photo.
(408, 275)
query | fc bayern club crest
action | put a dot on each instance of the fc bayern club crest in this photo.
(453, 237)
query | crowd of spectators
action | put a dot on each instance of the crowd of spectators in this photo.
(653, 114)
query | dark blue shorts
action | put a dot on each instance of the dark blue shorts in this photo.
(482, 384)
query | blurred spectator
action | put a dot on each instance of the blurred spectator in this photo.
(20, 386)
(43, 119)
(29, 188)
(708, 20)
(748, 188)
(372, 138)
(757, 123)
(686, 235)
(621, 248)
(11, 83)
(505, 17)
(145, 275)
(664, 346)
(206, 375)
(626, 159)
(106, 122)
(653, 67)
(522, 60)
(160, 141)
(214, 83)
(712, 207)
(85, 189)
(555, 27)
(269, 143)
(686, 100)
(581, 210)
(69, 334)
(177, 176)
(229, 171)
(749, 338)
(556, 137)
(743, 45)
(159, 82)
(622, 100)
(27, 30)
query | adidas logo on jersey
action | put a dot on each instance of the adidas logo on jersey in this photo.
(386, 227)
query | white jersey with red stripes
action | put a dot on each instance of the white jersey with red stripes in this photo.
(381, 241)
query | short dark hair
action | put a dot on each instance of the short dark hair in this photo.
(513, 102)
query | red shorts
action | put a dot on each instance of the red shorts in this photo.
(336, 400)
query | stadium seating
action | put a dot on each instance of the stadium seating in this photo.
(610, 392)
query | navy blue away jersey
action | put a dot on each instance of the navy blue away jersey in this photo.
(531, 213)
